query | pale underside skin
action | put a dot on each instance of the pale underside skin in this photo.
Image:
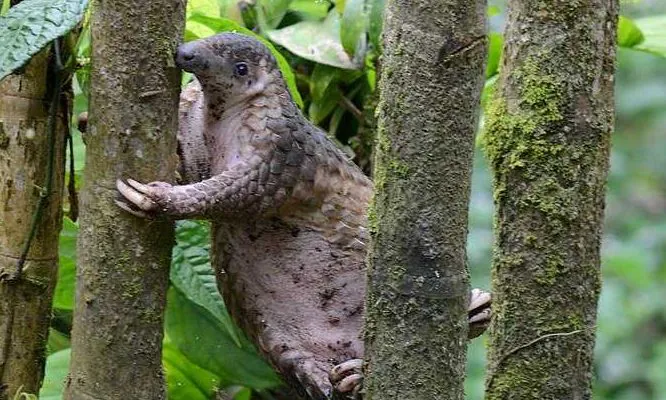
(289, 222)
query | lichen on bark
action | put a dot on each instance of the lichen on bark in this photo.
(547, 139)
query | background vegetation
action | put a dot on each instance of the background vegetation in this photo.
(332, 49)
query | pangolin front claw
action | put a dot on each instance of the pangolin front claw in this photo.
(126, 207)
(139, 199)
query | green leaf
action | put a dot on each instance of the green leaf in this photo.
(273, 11)
(352, 28)
(83, 55)
(57, 341)
(375, 22)
(322, 77)
(308, 9)
(186, 380)
(206, 7)
(654, 32)
(628, 34)
(193, 275)
(317, 41)
(63, 296)
(339, 5)
(495, 44)
(57, 367)
(30, 25)
(320, 108)
(5, 7)
(226, 25)
(335, 121)
(193, 29)
(243, 394)
(195, 332)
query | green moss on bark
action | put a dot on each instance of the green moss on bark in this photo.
(547, 140)
(418, 287)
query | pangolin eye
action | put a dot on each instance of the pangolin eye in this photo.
(240, 69)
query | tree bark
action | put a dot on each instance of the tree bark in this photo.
(547, 138)
(25, 300)
(418, 283)
(123, 261)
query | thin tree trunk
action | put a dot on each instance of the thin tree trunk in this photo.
(547, 138)
(418, 288)
(123, 261)
(25, 299)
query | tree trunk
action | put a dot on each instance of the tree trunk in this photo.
(418, 283)
(25, 301)
(547, 138)
(123, 261)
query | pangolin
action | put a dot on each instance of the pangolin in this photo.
(288, 210)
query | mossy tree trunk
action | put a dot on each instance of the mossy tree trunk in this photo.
(418, 283)
(123, 261)
(547, 138)
(25, 299)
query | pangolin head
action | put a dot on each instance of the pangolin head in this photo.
(230, 66)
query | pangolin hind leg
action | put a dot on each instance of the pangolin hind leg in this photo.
(347, 377)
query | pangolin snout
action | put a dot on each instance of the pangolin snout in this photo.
(188, 57)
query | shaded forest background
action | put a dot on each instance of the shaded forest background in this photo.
(202, 350)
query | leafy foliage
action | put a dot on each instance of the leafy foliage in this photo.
(628, 34)
(63, 297)
(327, 49)
(186, 380)
(654, 33)
(193, 276)
(57, 368)
(31, 25)
(353, 27)
(645, 34)
(197, 334)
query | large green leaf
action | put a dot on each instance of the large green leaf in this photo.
(57, 367)
(193, 275)
(317, 41)
(272, 11)
(30, 25)
(654, 32)
(63, 296)
(353, 27)
(186, 380)
(217, 24)
(628, 34)
(195, 332)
